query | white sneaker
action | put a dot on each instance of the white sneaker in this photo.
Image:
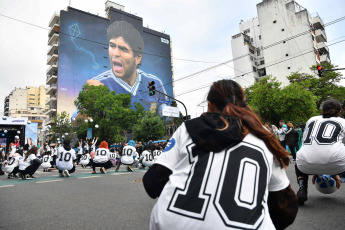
(66, 173)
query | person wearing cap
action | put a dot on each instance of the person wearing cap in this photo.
(126, 48)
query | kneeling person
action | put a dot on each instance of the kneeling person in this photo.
(101, 158)
(65, 158)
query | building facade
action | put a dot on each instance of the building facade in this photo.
(29, 103)
(283, 38)
(78, 51)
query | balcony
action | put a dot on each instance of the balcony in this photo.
(54, 39)
(317, 23)
(50, 121)
(52, 70)
(51, 79)
(325, 59)
(52, 89)
(52, 59)
(54, 30)
(53, 49)
(320, 35)
(51, 100)
(323, 49)
(55, 19)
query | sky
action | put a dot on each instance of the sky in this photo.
(200, 31)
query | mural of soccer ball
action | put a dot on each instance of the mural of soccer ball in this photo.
(325, 184)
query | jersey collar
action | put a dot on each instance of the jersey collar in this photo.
(131, 89)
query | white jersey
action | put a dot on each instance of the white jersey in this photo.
(65, 158)
(80, 150)
(323, 150)
(14, 162)
(46, 162)
(231, 186)
(156, 153)
(13, 150)
(85, 159)
(147, 158)
(128, 155)
(101, 155)
(23, 164)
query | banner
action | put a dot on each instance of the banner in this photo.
(31, 131)
(89, 133)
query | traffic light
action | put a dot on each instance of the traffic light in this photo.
(152, 88)
(319, 70)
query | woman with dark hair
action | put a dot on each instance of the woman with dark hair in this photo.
(291, 139)
(222, 170)
(29, 163)
(323, 149)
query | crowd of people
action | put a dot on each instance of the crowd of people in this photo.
(224, 168)
(23, 162)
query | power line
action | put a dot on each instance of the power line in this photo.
(208, 85)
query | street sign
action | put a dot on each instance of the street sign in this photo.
(165, 102)
(169, 111)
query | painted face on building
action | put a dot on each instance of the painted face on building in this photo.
(122, 60)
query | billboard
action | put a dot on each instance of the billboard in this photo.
(126, 61)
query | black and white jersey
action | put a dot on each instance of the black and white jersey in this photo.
(46, 161)
(85, 159)
(101, 155)
(11, 164)
(129, 153)
(147, 158)
(323, 150)
(65, 158)
(217, 190)
(156, 153)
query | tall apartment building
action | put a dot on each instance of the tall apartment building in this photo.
(29, 102)
(78, 51)
(283, 38)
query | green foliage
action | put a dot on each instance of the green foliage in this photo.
(272, 103)
(263, 97)
(324, 87)
(297, 104)
(62, 125)
(112, 113)
(150, 127)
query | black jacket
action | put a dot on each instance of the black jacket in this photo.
(291, 137)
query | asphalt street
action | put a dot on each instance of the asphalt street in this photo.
(117, 200)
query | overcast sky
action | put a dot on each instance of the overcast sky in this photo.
(200, 30)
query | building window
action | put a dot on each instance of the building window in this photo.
(289, 67)
(251, 40)
(254, 69)
(275, 21)
(282, 29)
(251, 51)
(262, 62)
(284, 41)
(246, 31)
(251, 58)
(259, 37)
(286, 55)
(258, 52)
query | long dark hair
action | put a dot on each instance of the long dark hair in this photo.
(230, 100)
(33, 150)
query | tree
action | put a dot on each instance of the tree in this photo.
(110, 111)
(272, 103)
(297, 104)
(150, 127)
(324, 87)
(61, 126)
(263, 97)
